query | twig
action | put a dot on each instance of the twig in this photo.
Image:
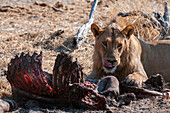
(82, 32)
(57, 33)
(41, 3)
(164, 21)
(56, 10)
(135, 13)
(166, 16)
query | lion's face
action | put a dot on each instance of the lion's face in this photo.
(110, 45)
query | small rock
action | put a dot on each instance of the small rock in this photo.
(58, 5)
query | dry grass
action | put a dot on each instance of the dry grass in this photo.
(28, 28)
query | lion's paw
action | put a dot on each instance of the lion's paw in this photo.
(135, 79)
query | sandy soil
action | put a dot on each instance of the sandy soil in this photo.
(27, 27)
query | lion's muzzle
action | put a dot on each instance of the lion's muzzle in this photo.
(109, 67)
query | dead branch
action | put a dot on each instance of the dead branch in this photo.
(41, 4)
(56, 10)
(82, 32)
(164, 21)
(166, 16)
(5, 8)
(136, 13)
(161, 21)
(56, 33)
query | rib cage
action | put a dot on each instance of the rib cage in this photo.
(68, 87)
(25, 72)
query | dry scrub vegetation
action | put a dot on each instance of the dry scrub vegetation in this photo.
(27, 27)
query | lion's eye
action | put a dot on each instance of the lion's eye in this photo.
(119, 46)
(104, 43)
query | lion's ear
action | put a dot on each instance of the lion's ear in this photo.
(96, 30)
(128, 31)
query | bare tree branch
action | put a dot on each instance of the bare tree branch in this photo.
(164, 21)
(136, 13)
(166, 16)
(161, 21)
(82, 32)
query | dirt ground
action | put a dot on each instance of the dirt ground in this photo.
(26, 26)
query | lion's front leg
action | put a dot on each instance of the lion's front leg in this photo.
(136, 79)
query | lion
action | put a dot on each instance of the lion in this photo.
(121, 54)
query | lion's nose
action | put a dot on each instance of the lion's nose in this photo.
(112, 60)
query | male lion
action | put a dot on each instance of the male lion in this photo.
(121, 54)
